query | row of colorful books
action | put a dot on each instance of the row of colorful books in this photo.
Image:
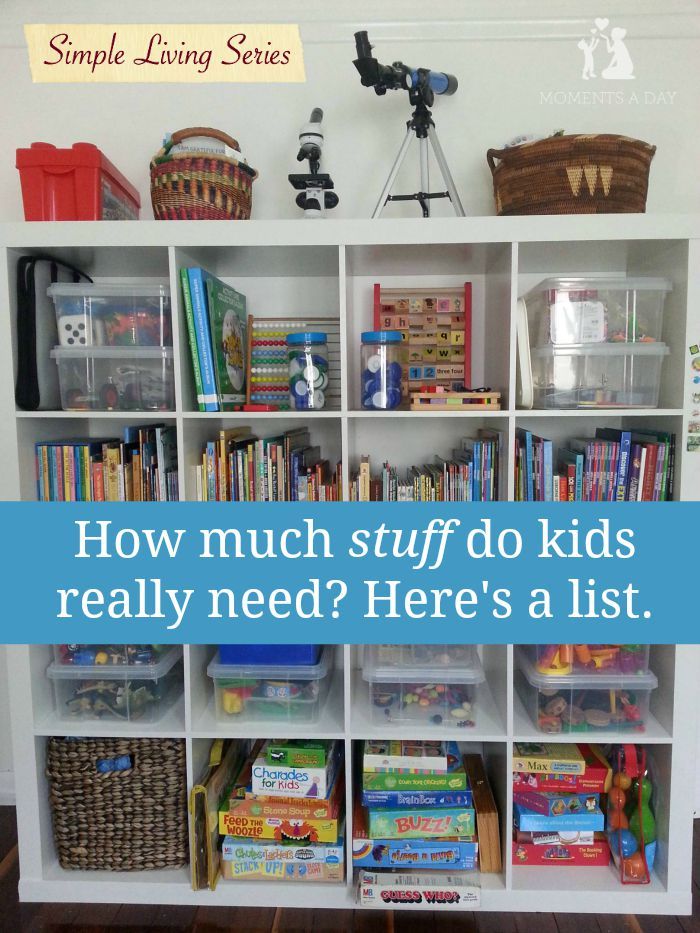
(216, 330)
(614, 466)
(140, 467)
(470, 475)
(239, 466)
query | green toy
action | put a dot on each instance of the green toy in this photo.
(642, 812)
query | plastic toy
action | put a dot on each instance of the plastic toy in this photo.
(632, 840)
(566, 659)
(87, 655)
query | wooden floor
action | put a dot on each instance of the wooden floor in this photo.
(129, 918)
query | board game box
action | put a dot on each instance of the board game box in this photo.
(553, 804)
(454, 779)
(412, 757)
(591, 855)
(567, 837)
(587, 820)
(416, 798)
(290, 781)
(548, 758)
(457, 854)
(299, 753)
(254, 860)
(245, 861)
(596, 777)
(290, 808)
(454, 891)
(415, 823)
(285, 832)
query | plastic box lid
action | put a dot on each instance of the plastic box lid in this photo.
(602, 349)
(472, 673)
(583, 681)
(163, 666)
(46, 155)
(611, 283)
(218, 671)
(111, 353)
(92, 290)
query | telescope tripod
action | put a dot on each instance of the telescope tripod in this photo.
(421, 126)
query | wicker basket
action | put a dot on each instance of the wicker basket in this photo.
(120, 820)
(593, 174)
(199, 185)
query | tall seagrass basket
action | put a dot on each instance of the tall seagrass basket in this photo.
(200, 185)
(117, 803)
(585, 174)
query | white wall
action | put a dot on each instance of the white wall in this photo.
(506, 54)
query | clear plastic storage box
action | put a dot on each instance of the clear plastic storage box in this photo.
(112, 315)
(436, 696)
(108, 655)
(118, 693)
(277, 693)
(556, 660)
(584, 703)
(592, 310)
(604, 375)
(115, 378)
(417, 657)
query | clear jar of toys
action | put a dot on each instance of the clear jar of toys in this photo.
(307, 355)
(381, 369)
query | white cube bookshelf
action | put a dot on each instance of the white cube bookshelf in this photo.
(327, 269)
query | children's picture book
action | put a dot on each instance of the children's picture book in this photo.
(198, 297)
(409, 756)
(227, 320)
(548, 758)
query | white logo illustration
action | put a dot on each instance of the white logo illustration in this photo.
(620, 66)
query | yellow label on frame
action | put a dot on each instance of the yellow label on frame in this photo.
(136, 52)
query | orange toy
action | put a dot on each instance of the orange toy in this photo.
(616, 809)
(635, 867)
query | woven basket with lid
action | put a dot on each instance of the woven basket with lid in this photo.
(584, 174)
(200, 185)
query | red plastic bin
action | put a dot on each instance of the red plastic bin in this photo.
(79, 183)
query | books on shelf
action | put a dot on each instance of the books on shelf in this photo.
(471, 474)
(216, 327)
(139, 467)
(614, 466)
(239, 466)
